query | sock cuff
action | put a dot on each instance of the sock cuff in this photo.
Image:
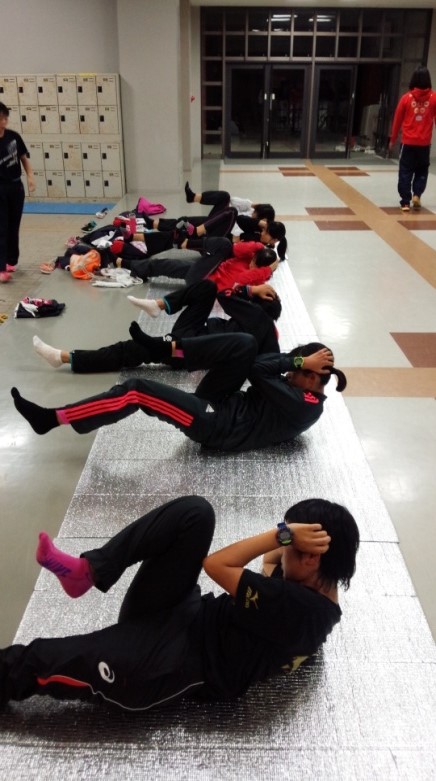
(61, 415)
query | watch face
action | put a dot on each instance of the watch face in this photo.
(284, 534)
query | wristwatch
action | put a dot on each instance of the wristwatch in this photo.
(285, 535)
(298, 362)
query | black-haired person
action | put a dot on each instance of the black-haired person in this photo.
(171, 641)
(284, 399)
(415, 115)
(250, 309)
(272, 234)
(13, 155)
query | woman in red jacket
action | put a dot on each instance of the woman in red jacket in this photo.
(415, 115)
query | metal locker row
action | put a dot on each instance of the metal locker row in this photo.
(72, 156)
(77, 184)
(67, 89)
(71, 120)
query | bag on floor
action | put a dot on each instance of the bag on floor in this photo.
(38, 307)
(85, 266)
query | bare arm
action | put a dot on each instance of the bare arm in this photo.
(29, 173)
(226, 566)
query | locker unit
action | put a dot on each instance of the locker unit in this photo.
(47, 90)
(71, 124)
(66, 90)
(53, 160)
(14, 118)
(8, 90)
(93, 184)
(49, 119)
(75, 186)
(56, 184)
(69, 119)
(72, 156)
(27, 91)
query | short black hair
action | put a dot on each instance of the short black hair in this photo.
(265, 256)
(420, 78)
(313, 347)
(271, 306)
(338, 564)
(4, 110)
(264, 211)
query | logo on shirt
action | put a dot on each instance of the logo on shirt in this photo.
(106, 673)
(251, 598)
(310, 398)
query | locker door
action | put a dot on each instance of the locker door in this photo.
(72, 156)
(49, 118)
(8, 90)
(88, 119)
(47, 92)
(56, 184)
(69, 119)
(67, 90)
(27, 93)
(53, 156)
(107, 90)
(30, 120)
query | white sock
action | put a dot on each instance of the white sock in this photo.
(51, 354)
(149, 305)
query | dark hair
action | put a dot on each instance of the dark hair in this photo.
(265, 256)
(420, 78)
(313, 347)
(264, 211)
(271, 306)
(278, 231)
(4, 109)
(338, 565)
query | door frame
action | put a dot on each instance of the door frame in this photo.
(264, 148)
(314, 100)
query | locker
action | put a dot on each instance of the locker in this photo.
(49, 118)
(14, 118)
(69, 119)
(30, 123)
(93, 184)
(53, 156)
(46, 89)
(112, 184)
(74, 184)
(67, 90)
(27, 92)
(8, 90)
(72, 156)
(88, 119)
(91, 157)
(86, 90)
(110, 157)
(107, 93)
(108, 120)
(56, 184)
(36, 153)
(40, 184)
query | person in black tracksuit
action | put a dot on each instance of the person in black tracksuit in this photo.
(247, 314)
(170, 641)
(284, 399)
(13, 155)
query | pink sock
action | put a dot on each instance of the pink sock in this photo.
(73, 573)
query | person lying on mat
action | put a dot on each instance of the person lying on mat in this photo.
(251, 310)
(172, 642)
(284, 399)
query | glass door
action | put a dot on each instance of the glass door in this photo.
(333, 107)
(265, 111)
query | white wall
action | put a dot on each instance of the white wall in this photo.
(58, 36)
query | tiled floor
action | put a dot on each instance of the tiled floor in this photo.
(367, 276)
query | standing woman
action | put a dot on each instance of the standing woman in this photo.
(13, 153)
(415, 114)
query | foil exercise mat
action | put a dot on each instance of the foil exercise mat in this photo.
(363, 708)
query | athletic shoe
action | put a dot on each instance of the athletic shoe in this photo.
(89, 226)
(416, 202)
(4, 276)
(102, 213)
(10, 268)
(405, 207)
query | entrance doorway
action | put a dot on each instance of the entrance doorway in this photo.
(324, 111)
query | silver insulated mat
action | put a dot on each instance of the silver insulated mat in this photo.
(364, 708)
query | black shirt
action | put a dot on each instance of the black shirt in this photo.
(259, 633)
(12, 149)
